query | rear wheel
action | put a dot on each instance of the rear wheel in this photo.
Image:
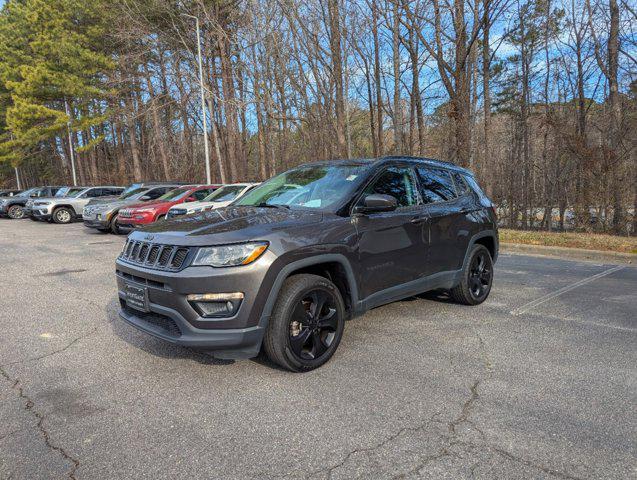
(306, 325)
(16, 212)
(477, 277)
(62, 215)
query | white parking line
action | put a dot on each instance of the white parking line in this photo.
(539, 301)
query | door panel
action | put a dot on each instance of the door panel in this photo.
(392, 244)
(449, 227)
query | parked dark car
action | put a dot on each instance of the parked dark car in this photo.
(284, 266)
(102, 214)
(9, 193)
(13, 207)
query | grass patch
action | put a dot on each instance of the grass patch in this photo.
(590, 241)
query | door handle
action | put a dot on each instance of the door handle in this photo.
(418, 219)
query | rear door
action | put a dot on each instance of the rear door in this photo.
(391, 244)
(449, 232)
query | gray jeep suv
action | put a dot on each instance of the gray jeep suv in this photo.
(284, 266)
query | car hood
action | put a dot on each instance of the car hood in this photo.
(139, 204)
(113, 202)
(189, 205)
(227, 225)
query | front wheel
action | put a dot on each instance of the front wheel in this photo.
(16, 212)
(62, 215)
(477, 277)
(306, 325)
(113, 225)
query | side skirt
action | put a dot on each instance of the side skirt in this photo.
(439, 280)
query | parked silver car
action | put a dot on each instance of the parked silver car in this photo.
(66, 209)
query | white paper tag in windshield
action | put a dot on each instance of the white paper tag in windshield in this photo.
(351, 178)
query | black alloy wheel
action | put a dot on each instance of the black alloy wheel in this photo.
(307, 323)
(476, 279)
(480, 274)
(313, 324)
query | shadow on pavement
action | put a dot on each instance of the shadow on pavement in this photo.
(152, 345)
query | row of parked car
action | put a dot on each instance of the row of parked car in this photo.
(117, 209)
(283, 267)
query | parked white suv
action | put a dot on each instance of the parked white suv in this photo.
(222, 197)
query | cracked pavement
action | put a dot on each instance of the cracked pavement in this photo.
(538, 382)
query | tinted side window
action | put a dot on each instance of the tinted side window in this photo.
(461, 185)
(396, 182)
(435, 185)
(111, 191)
(201, 194)
(156, 193)
(94, 193)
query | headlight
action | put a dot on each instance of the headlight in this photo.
(230, 255)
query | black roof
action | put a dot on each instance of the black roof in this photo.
(392, 158)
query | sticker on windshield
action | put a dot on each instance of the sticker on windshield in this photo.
(316, 203)
(351, 178)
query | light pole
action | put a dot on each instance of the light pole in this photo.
(17, 178)
(203, 100)
(68, 127)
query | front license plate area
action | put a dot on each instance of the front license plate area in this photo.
(137, 297)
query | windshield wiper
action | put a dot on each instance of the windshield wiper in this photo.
(272, 205)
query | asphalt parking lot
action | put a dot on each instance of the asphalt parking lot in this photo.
(538, 382)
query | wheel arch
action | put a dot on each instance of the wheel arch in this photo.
(488, 238)
(333, 266)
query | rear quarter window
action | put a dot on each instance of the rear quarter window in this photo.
(436, 185)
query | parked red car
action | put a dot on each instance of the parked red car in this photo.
(140, 214)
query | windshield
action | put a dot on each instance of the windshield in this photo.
(135, 193)
(176, 194)
(135, 187)
(225, 194)
(311, 186)
(68, 191)
(28, 193)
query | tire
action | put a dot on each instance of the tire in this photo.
(62, 215)
(113, 226)
(300, 347)
(16, 212)
(477, 278)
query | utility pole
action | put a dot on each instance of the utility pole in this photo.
(203, 100)
(71, 149)
(17, 178)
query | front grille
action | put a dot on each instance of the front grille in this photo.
(142, 280)
(177, 212)
(163, 322)
(160, 257)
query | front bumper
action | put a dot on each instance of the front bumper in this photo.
(41, 212)
(174, 319)
(92, 221)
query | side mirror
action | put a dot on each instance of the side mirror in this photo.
(376, 203)
(144, 198)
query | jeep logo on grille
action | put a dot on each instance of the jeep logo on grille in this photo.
(149, 237)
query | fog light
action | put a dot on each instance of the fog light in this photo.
(216, 305)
